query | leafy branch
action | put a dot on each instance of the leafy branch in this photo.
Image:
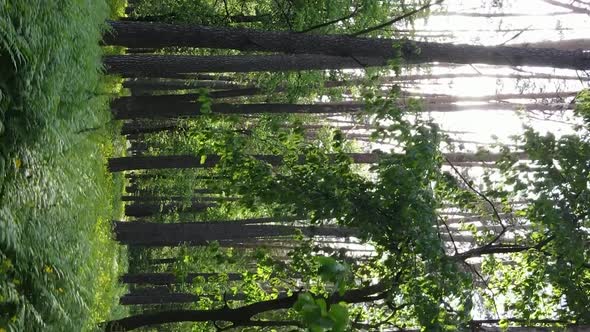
(396, 19)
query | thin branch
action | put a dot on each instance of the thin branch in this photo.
(280, 7)
(486, 284)
(515, 36)
(262, 323)
(228, 16)
(325, 24)
(484, 197)
(397, 19)
(574, 9)
(501, 249)
(474, 68)
(450, 235)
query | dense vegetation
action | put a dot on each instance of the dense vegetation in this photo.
(58, 264)
(277, 179)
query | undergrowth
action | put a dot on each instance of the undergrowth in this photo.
(58, 262)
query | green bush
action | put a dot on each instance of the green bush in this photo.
(58, 262)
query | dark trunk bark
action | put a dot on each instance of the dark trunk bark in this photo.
(173, 106)
(187, 161)
(172, 65)
(155, 84)
(422, 77)
(143, 176)
(145, 299)
(146, 210)
(135, 127)
(160, 261)
(140, 50)
(151, 107)
(238, 316)
(141, 34)
(248, 18)
(170, 278)
(201, 233)
(194, 199)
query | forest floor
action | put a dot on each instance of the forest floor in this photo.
(58, 263)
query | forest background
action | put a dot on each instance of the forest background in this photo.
(294, 165)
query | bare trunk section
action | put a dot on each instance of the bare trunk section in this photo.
(172, 65)
(238, 316)
(169, 298)
(188, 161)
(174, 106)
(171, 278)
(142, 34)
(200, 233)
(139, 210)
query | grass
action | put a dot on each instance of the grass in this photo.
(58, 263)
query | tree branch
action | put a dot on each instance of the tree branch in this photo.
(325, 24)
(484, 197)
(397, 19)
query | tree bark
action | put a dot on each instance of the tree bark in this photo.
(200, 233)
(174, 106)
(164, 66)
(142, 34)
(575, 9)
(136, 127)
(568, 44)
(159, 261)
(170, 278)
(147, 210)
(193, 199)
(145, 299)
(157, 107)
(188, 161)
(155, 84)
(237, 316)
(418, 77)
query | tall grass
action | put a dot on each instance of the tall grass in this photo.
(58, 263)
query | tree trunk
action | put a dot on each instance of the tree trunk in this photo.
(159, 261)
(188, 161)
(170, 278)
(171, 65)
(150, 107)
(568, 44)
(151, 176)
(155, 84)
(238, 316)
(200, 233)
(147, 210)
(248, 18)
(194, 199)
(419, 77)
(136, 127)
(141, 34)
(142, 50)
(173, 106)
(146, 299)
(489, 15)
(575, 9)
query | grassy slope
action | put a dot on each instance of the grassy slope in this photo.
(58, 264)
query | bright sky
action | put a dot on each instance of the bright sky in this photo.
(484, 124)
(539, 25)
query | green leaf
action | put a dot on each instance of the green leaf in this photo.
(339, 314)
